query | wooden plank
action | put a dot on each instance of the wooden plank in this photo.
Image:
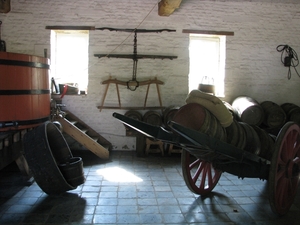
(23, 166)
(82, 138)
(133, 108)
(137, 56)
(211, 32)
(70, 28)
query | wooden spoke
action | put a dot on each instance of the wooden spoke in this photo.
(199, 176)
(285, 168)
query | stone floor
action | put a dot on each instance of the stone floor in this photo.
(134, 190)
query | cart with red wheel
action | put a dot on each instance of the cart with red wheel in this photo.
(207, 154)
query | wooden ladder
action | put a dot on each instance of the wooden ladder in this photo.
(80, 136)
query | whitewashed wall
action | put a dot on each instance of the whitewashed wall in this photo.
(253, 65)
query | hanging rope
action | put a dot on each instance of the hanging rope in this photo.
(289, 58)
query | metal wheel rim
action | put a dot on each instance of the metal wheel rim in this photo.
(205, 177)
(284, 177)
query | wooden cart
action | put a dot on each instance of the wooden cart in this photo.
(204, 158)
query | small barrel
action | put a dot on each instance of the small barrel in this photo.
(24, 91)
(168, 114)
(248, 110)
(275, 116)
(292, 112)
(153, 118)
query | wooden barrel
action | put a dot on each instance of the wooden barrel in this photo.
(292, 112)
(236, 135)
(24, 91)
(196, 117)
(133, 115)
(248, 110)
(275, 116)
(168, 114)
(153, 118)
(267, 143)
(253, 144)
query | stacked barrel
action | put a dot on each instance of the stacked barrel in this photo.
(153, 117)
(245, 124)
(206, 114)
(266, 118)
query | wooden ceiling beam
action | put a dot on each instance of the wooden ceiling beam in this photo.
(167, 7)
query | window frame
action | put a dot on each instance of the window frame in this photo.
(219, 83)
(82, 80)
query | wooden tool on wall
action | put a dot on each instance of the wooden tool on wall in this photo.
(131, 83)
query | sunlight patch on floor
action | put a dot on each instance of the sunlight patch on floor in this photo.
(117, 174)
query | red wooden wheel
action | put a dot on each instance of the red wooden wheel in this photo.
(199, 175)
(285, 168)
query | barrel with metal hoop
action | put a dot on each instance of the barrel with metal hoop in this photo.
(275, 117)
(24, 91)
(248, 110)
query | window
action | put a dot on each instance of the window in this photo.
(69, 57)
(207, 61)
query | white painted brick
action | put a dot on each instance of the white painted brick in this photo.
(253, 65)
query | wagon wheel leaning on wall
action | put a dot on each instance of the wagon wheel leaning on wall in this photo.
(285, 169)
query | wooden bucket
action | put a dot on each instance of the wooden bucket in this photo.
(275, 116)
(45, 148)
(24, 91)
(248, 110)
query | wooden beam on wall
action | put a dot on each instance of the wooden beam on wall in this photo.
(70, 27)
(167, 7)
(226, 33)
